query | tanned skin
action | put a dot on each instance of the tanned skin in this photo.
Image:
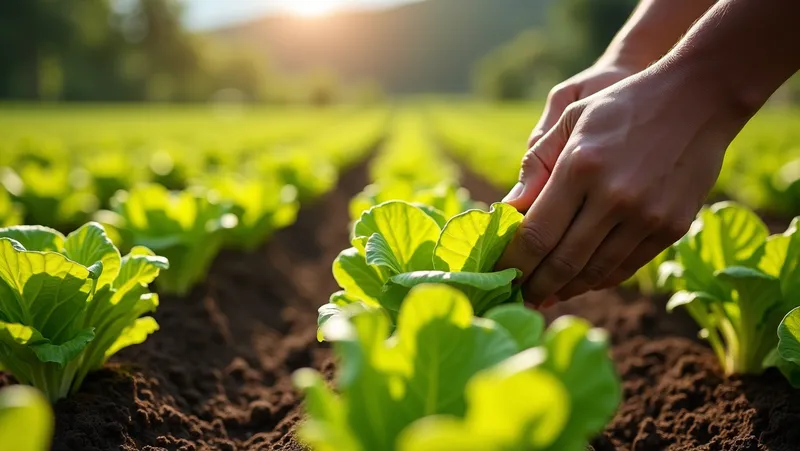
(627, 151)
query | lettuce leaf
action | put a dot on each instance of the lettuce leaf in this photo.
(737, 282)
(186, 227)
(69, 303)
(26, 419)
(447, 377)
(398, 245)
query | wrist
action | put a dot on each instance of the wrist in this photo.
(721, 82)
(628, 57)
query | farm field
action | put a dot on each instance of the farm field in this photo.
(254, 219)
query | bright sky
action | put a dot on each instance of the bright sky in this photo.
(202, 14)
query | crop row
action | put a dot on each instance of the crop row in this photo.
(436, 350)
(69, 303)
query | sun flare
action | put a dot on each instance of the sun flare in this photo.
(310, 8)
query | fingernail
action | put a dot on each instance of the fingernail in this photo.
(549, 303)
(514, 193)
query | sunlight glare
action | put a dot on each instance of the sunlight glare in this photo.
(311, 8)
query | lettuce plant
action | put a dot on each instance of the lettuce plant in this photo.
(397, 246)
(186, 227)
(262, 206)
(51, 195)
(737, 282)
(110, 172)
(69, 303)
(10, 213)
(448, 380)
(26, 419)
(446, 198)
(310, 174)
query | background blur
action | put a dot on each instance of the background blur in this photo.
(279, 51)
(100, 96)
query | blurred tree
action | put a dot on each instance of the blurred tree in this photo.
(323, 88)
(133, 50)
(577, 33)
(31, 31)
(518, 69)
(582, 29)
(118, 50)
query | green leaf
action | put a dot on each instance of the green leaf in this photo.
(723, 235)
(473, 241)
(578, 356)
(385, 383)
(524, 324)
(437, 215)
(683, 298)
(790, 272)
(327, 430)
(356, 277)
(17, 336)
(736, 231)
(524, 410)
(789, 346)
(341, 305)
(139, 268)
(35, 238)
(379, 253)
(407, 230)
(484, 290)
(44, 290)
(89, 245)
(134, 334)
(186, 227)
(26, 419)
(36, 360)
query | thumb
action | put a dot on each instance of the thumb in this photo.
(557, 102)
(539, 160)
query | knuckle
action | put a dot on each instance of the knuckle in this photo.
(533, 240)
(593, 275)
(558, 93)
(586, 161)
(621, 199)
(653, 219)
(562, 267)
(571, 112)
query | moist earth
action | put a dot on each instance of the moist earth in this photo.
(217, 376)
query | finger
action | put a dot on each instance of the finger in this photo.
(557, 102)
(544, 224)
(612, 253)
(584, 237)
(643, 254)
(539, 161)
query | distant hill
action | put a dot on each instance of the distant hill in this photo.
(428, 46)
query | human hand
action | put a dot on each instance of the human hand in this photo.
(604, 73)
(601, 75)
(617, 179)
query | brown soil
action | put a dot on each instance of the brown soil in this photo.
(676, 397)
(217, 376)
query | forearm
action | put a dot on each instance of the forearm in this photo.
(742, 50)
(653, 29)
